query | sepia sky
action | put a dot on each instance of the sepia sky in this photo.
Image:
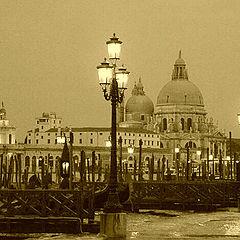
(49, 51)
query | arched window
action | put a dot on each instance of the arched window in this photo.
(146, 162)
(50, 161)
(164, 124)
(215, 150)
(76, 162)
(161, 145)
(182, 123)
(10, 139)
(190, 144)
(34, 164)
(189, 123)
(27, 161)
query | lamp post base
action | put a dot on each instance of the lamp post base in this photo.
(113, 225)
(113, 204)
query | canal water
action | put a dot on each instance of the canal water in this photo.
(166, 224)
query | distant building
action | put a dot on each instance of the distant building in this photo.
(7, 131)
(42, 125)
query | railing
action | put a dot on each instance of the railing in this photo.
(223, 193)
(43, 203)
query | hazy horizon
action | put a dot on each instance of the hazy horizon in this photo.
(49, 51)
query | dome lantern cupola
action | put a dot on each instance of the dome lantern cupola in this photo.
(3, 112)
(179, 71)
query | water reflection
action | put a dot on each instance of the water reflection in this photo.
(168, 225)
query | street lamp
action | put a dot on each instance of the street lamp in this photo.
(199, 152)
(113, 81)
(130, 149)
(238, 115)
(108, 142)
(177, 160)
(140, 160)
(64, 162)
(211, 158)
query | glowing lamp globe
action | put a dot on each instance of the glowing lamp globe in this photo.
(130, 149)
(108, 143)
(105, 73)
(122, 77)
(114, 47)
(238, 115)
(199, 152)
(177, 150)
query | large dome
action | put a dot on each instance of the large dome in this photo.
(139, 102)
(180, 90)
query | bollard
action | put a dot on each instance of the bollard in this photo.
(113, 225)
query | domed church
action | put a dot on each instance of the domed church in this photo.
(179, 117)
(139, 108)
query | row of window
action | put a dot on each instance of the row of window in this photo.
(183, 127)
(129, 134)
(46, 120)
(129, 141)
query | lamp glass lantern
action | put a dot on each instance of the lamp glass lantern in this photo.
(65, 167)
(130, 149)
(108, 143)
(238, 115)
(64, 162)
(122, 77)
(177, 150)
(199, 152)
(114, 47)
(105, 73)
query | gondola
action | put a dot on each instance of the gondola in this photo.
(101, 196)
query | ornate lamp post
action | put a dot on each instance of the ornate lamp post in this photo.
(177, 160)
(120, 158)
(65, 163)
(113, 81)
(140, 161)
(199, 152)
(211, 158)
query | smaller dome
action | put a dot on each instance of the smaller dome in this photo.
(139, 102)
